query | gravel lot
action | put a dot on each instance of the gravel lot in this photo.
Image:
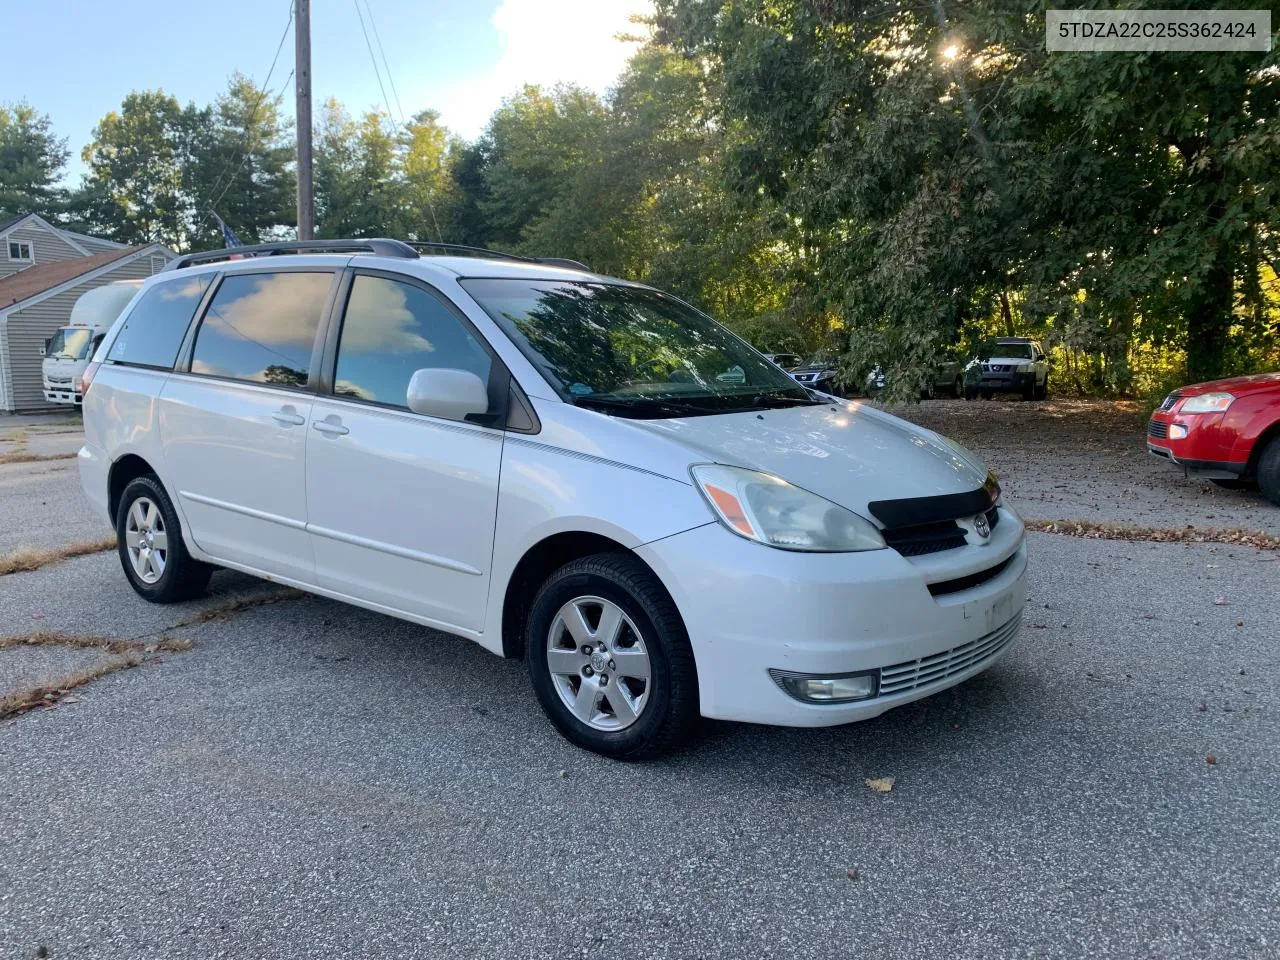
(311, 779)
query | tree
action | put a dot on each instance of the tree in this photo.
(32, 161)
(358, 188)
(425, 149)
(942, 167)
(137, 167)
(241, 167)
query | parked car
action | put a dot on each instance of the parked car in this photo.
(787, 361)
(1008, 365)
(820, 373)
(1227, 431)
(546, 461)
(69, 350)
(945, 378)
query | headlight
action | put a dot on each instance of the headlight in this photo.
(1207, 403)
(768, 510)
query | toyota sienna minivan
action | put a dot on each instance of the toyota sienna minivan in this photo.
(576, 470)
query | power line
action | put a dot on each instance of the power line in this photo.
(390, 79)
(431, 206)
(253, 115)
(374, 60)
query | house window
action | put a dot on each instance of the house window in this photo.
(21, 250)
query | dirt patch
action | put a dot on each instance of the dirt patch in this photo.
(1088, 460)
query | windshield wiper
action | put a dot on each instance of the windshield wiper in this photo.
(784, 398)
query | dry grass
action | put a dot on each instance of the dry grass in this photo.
(28, 558)
(224, 609)
(18, 435)
(22, 456)
(124, 655)
(1089, 530)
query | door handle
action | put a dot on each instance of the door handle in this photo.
(287, 416)
(331, 427)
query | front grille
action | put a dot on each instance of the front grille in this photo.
(1157, 429)
(1170, 401)
(925, 538)
(927, 671)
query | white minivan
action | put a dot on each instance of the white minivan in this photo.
(565, 467)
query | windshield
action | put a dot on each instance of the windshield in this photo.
(1020, 351)
(632, 351)
(70, 343)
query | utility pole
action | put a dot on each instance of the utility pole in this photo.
(302, 70)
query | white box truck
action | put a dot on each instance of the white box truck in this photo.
(70, 349)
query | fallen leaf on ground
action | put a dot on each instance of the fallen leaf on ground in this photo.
(852, 873)
(1211, 760)
(880, 784)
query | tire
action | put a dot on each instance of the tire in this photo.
(986, 394)
(1268, 472)
(927, 391)
(664, 707)
(159, 574)
(957, 389)
(1042, 391)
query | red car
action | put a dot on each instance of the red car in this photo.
(1227, 431)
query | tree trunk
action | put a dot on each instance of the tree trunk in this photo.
(1209, 318)
(1006, 314)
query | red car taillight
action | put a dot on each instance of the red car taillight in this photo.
(85, 379)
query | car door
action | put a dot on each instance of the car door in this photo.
(401, 506)
(233, 419)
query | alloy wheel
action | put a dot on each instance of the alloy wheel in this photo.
(599, 663)
(146, 540)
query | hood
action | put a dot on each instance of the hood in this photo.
(852, 455)
(1239, 386)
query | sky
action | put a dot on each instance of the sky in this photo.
(76, 59)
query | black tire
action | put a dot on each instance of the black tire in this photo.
(671, 708)
(927, 391)
(957, 388)
(183, 577)
(986, 394)
(1268, 472)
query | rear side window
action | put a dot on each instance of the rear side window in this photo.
(261, 327)
(393, 329)
(153, 331)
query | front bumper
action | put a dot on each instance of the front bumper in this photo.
(1005, 382)
(62, 395)
(749, 608)
(1202, 450)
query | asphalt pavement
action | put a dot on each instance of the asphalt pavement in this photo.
(316, 780)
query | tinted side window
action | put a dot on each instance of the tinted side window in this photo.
(392, 329)
(261, 327)
(153, 331)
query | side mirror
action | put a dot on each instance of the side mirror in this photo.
(448, 394)
(44, 351)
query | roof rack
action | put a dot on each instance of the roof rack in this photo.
(379, 247)
(445, 248)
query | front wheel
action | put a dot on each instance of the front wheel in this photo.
(1042, 391)
(1268, 474)
(610, 660)
(149, 540)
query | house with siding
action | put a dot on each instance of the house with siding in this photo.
(47, 273)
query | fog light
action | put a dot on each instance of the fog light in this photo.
(819, 689)
(1177, 431)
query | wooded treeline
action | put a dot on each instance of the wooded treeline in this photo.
(890, 181)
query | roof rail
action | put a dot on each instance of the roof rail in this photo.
(444, 248)
(378, 246)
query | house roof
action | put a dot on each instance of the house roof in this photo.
(6, 224)
(35, 280)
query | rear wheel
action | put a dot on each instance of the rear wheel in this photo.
(610, 660)
(1268, 473)
(149, 540)
(957, 388)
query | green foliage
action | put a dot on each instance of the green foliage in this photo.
(31, 162)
